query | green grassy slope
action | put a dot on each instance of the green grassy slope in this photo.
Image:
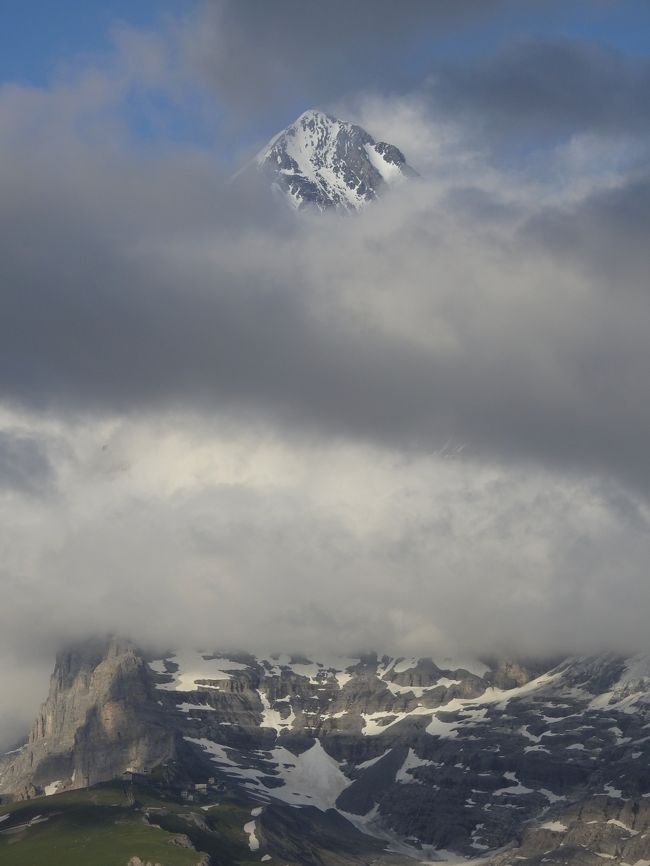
(103, 827)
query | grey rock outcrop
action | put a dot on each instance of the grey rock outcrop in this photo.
(100, 717)
(595, 829)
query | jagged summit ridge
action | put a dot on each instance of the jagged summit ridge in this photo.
(327, 163)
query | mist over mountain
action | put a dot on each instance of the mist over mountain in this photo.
(402, 410)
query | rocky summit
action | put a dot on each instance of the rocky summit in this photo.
(543, 762)
(325, 163)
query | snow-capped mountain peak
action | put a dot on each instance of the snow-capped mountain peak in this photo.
(324, 162)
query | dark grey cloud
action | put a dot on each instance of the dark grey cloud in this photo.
(274, 60)
(292, 53)
(547, 89)
(606, 233)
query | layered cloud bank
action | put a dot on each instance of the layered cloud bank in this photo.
(425, 427)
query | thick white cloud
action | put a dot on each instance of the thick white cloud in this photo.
(174, 531)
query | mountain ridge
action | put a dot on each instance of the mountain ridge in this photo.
(428, 757)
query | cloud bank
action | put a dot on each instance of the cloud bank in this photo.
(424, 428)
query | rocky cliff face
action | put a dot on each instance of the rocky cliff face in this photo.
(99, 718)
(430, 754)
(596, 828)
(321, 162)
